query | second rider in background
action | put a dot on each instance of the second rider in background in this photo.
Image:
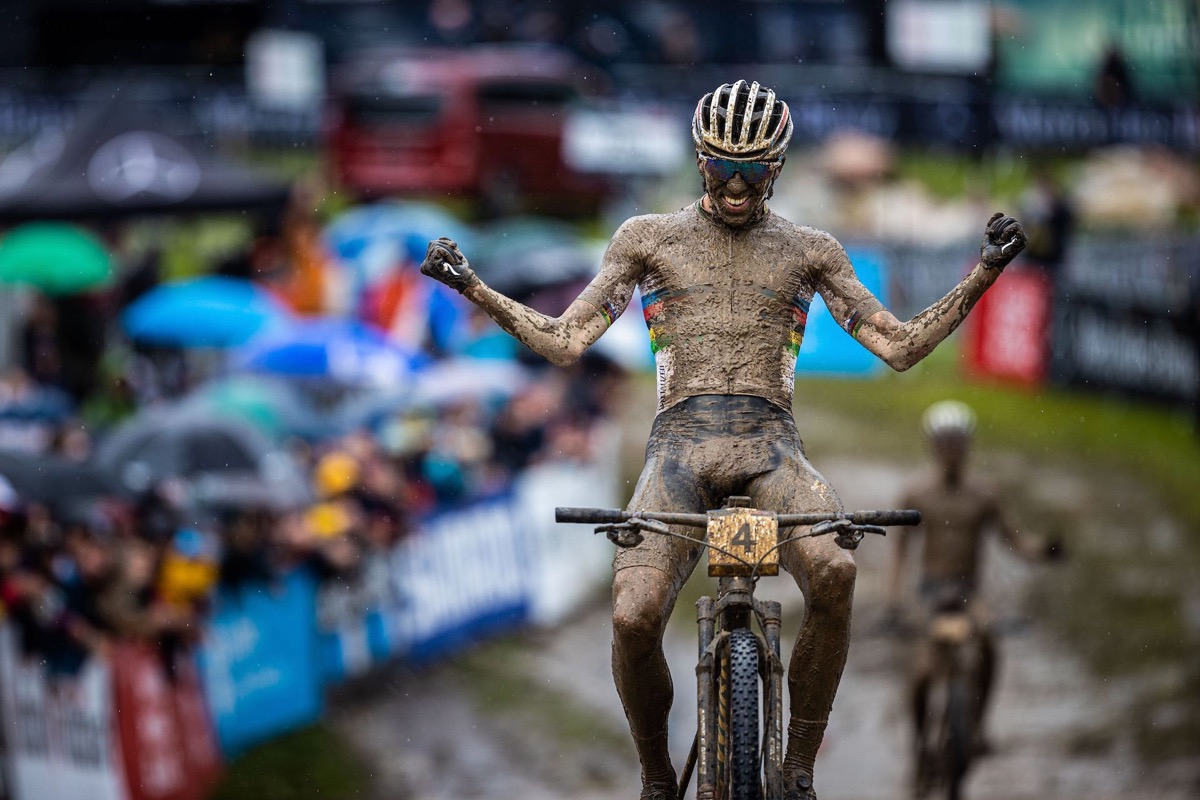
(726, 286)
(957, 513)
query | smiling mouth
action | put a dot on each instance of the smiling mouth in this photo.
(736, 204)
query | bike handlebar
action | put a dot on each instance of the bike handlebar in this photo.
(605, 516)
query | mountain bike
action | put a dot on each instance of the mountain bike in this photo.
(946, 700)
(737, 753)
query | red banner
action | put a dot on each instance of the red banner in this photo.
(166, 738)
(1007, 331)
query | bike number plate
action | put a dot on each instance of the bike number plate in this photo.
(746, 534)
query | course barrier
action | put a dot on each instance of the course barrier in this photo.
(124, 728)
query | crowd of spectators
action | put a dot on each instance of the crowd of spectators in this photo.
(79, 570)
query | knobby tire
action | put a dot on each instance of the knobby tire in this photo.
(944, 754)
(745, 773)
(958, 737)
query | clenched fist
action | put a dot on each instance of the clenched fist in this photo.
(444, 262)
(1002, 241)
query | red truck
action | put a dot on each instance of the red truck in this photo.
(482, 122)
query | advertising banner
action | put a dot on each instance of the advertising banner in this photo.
(201, 750)
(827, 349)
(59, 731)
(1126, 317)
(351, 620)
(1134, 351)
(259, 661)
(470, 572)
(569, 564)
(462, 576)
(1006, 333)
(168, 747)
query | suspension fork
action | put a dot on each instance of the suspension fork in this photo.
(706, 702)
(770, 617)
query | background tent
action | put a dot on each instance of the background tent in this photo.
(121, 159)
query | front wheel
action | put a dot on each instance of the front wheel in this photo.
(944, 744)
(958, 737)
(745, 775)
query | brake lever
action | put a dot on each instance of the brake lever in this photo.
(629, 534)
(848, 535)
(831, 526)
(622, 534)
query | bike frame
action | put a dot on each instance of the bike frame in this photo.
(951, 638)
(733, 609)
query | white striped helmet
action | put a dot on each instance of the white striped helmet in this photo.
(948, 418)
(742, 121)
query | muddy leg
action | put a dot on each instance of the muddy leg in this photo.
(646, 581)
(988, 669)
(825, 574)
(642, 602)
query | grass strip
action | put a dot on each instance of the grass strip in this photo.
(304, 764)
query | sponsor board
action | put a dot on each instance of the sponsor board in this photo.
(167, 741)
(470, 572)
(1005, 334)
(1140, 353)
(259, 661)
(462, 575)
(59, 732)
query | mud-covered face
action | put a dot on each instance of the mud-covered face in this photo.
(950, 450)
(738, 199)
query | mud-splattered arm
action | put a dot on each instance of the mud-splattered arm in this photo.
(902, 344)
(560, 340)
(1028, 547)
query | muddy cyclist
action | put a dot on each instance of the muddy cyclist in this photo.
(959, 511)
(725, 290)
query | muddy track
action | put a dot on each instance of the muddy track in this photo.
(536, 717)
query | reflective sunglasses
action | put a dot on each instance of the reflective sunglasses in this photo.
(722, 169)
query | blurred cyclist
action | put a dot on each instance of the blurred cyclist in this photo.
(726, 286)
(956, 514)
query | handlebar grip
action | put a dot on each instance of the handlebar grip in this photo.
(905, 517)
(593, 516)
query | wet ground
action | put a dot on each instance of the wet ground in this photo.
(535, 717)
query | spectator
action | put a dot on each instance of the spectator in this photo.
(1114, 85)
(1049, 218)
(245, 557)
(41, 347)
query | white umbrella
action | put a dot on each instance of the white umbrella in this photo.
(461, 379)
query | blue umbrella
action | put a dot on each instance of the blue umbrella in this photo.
(343, 350)
(372, 239)
(213, 311)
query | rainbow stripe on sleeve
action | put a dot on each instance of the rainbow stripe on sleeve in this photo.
(653, 304)
(610, 312)
(854, 323)
(800, 308)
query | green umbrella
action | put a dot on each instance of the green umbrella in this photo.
(55, 257)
